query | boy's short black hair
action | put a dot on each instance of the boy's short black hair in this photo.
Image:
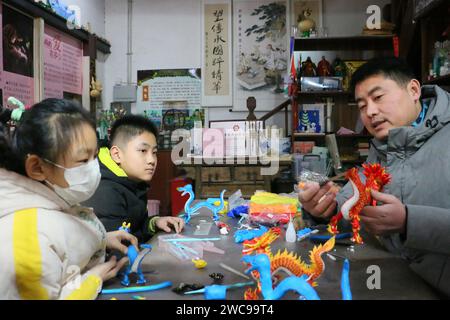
(392, 68)
(130, 126)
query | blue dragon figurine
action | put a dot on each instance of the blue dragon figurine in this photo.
(209, 203)
(135, 258)
(61, 9)
(242, 235)
(261, 263)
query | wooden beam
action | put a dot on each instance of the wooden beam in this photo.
(35, 10)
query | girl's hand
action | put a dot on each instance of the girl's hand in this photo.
(114, 240)
(109, 270)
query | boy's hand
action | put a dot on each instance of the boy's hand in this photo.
(319, 201)
(388, 218)
(114, 241)
(164, 224)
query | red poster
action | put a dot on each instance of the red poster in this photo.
(16, 56)
(63, 56)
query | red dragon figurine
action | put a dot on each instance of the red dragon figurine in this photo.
(376, 179)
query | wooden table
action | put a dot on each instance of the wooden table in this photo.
(397, 279)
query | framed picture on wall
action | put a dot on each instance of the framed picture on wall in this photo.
(17, 74)
(307, 15)
(312, 118)
(217, 88)
(351, 66)
(260, 53)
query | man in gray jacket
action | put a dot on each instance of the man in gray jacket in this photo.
(411, 139)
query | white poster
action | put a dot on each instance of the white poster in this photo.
(171, 98)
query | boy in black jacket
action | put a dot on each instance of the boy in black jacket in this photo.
(127, 168)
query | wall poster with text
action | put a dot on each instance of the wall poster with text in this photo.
(63, 65)
(16, 56)
(217, 54)
(170, 97)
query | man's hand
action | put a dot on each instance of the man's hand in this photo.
(388, 218)
(319, 202)
(114, 241)
(164, 224)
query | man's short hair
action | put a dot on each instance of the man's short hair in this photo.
(392, 68)
(130, 126)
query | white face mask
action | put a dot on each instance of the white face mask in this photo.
(83, 181)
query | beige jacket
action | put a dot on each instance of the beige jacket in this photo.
(46, 247)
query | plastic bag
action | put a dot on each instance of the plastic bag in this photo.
(236, 200)
(310, 176)
(270, 219)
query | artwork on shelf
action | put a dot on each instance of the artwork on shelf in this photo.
(324, 68)
(307, 17)
(234, 135)
(217, 89)
(64, 11)
(304, 147)
(308, 68)
(16, 52)
(320, 83)
(261, 53)
(311, 118)
(213, 143)
(351, 66)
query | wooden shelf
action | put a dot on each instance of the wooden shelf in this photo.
(354, 136)
(322, 135)
(345, 114)
(342, 136)
(353, 161)
(325, 93)
(199, 161)
(344, 43)
(35, 10)
(433, 7)
(307, 134)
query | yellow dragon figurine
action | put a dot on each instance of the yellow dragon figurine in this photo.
(261, 244)
(285, 261)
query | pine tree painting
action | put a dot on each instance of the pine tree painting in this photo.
(310, 121)
(304, 121)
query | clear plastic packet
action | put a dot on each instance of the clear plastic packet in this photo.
(310, 176)
(270, 219)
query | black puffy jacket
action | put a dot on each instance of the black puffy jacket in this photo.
(119, 199)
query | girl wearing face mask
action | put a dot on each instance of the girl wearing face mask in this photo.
(51, 247)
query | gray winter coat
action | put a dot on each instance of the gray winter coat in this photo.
(418, 160)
